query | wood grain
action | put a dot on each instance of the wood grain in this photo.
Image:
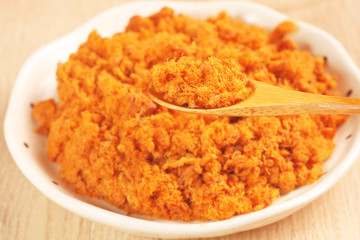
(26, 214)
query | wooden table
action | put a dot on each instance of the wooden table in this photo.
(26, 214)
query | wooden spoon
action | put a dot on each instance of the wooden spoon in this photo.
(267, 100)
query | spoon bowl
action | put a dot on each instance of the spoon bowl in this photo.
(268, 100)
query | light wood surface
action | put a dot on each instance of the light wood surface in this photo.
(26, 214)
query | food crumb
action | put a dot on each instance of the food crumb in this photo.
(348, 94)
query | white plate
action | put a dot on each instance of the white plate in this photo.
(36, 81)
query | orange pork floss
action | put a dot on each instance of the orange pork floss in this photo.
(113, 143)
(197, 83)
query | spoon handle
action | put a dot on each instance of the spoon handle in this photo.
(323, 104)
(273, 101)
